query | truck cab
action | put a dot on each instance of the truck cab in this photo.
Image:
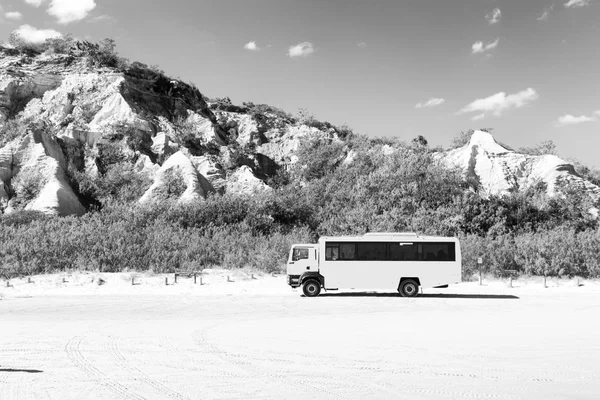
(303, 264)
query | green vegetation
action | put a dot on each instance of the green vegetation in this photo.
(387, 186)
(101, 54)
(27, 185)
(337, 187)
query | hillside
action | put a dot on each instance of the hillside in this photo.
(499, 170)
(161, 177)
(66, 120)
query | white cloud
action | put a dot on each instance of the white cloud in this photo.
(33, 35)
(361, 44)
(544, 16)
(67, 11)
(597, 112)
(103, 19)
(479, 47)
(478, 117)
(497, 103)
(573, 120)
(35, 3)
(494, 16)
(577, 3)
(432, 102)
(301, 49)
(251, 46)
(13, 15)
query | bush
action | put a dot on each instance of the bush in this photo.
(27, 185)
(21, 218)
(319, 157)
(265, 109)
(173, 184)
(540, 149)
(461, 139)
(139, 238)
(104, 54)
(10, 130)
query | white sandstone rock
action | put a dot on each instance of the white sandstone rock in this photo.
(243, 181)
(196, 186)
(500, 170)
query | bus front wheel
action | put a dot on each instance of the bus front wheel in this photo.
(409, 288)
(311, 288)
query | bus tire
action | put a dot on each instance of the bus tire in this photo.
(311, 288)
(409, 288)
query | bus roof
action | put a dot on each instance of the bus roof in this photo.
(387, 236)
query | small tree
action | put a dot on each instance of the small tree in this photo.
(27, 185)
(420, 141)
(173, 184)
(461, 139)
(60, 45)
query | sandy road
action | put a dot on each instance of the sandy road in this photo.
(491, 344)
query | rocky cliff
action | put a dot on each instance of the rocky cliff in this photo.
(61, 116)
(498, 170)
(65, 122)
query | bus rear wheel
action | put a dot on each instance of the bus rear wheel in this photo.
(311, 288)
(409, 288)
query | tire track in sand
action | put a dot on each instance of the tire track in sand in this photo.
(73, 350)
(268, 377)
(117, 356)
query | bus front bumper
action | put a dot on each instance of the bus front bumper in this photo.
(294, 280)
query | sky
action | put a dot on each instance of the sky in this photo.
(529, 69)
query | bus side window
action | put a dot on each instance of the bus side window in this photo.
(332, 253)
(403, 251)
(347, 251)
(439, 251)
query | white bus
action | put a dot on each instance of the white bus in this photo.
(375, 261)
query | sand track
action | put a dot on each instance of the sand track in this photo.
(516, 344)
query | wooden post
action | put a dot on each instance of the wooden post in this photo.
(64, 280)
(510, 282)
(166, 281)
(28, 279)
(480, 262)
(577, 282)
(201, 280)
(175, 278)
(132, 281)
(228, 280)
(7, 283)
(252, 276)
(545, 281)
(194, 279)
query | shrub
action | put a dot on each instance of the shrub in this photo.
(540, 149)
(265, 109)
(104, 54)
(173, 184)
(10, 130)
(21, 218)
(27, 185)
(60, 45)
(319, 157)
(461, 139)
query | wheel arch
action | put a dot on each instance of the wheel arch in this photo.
(408, 278)
(312, 276)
